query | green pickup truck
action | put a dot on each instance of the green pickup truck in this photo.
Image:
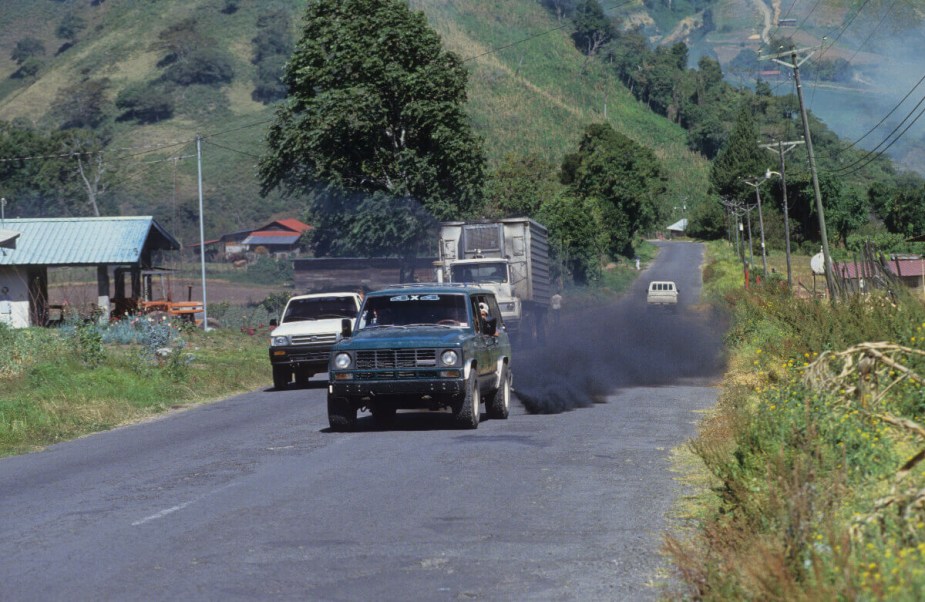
(422, 347)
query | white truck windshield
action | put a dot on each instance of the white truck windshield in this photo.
(320, 308)
(480, 272)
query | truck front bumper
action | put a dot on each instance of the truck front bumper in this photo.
(298, 356)
(404, 394)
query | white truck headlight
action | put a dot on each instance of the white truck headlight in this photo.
(342, 361)
(449, 358)
(279, 341)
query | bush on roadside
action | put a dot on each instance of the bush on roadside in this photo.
(815, 452)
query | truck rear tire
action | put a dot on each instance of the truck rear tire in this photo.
(498, 405)
(468, 410)
(342, 416)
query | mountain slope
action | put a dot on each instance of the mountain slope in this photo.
(534, 96)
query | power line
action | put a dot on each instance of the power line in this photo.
(873, 31)
(874, 156)
(887, 116)
(228, 148)
(843, 29)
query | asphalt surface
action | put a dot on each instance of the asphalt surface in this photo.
(253, 498)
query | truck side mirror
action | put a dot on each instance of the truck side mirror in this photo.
(346, 328)
(274, 322)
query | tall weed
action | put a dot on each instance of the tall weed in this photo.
(814, 451)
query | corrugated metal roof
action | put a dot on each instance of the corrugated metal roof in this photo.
(85, 240)
(906, 267)
(272, 238)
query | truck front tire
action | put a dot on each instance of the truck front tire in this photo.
(468, 409)
(281, 377)
(499, 404)
(342, 416)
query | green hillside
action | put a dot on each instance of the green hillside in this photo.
(534, 96)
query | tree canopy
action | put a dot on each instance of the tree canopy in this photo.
(375, 106)
(625, 176)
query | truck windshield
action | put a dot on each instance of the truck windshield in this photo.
(320, 308)
(480, 272)
(413, 308)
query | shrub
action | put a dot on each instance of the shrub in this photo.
(145, 103)
(208, 66)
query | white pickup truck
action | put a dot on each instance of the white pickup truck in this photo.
(662, 293)
(310, 325)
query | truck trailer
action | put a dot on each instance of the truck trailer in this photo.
(509, 256)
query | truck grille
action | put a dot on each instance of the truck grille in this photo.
(398, 375)
(396, 358)
(314, 339)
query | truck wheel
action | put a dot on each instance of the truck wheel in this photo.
(499, 404)
(281, 377)
(342, 416)
(468, 411)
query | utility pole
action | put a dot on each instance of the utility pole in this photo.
(783, 184)
(827, 257)
(202, 237)
(764, 257)
(751, 247)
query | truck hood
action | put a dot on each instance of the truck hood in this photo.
(391, 337)
(302, 327)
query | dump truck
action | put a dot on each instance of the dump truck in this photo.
(510, 257)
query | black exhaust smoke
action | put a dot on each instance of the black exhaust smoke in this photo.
(598, 351)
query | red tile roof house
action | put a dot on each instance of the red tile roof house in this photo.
(910, 270)
(279, 236)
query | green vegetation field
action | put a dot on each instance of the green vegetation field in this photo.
(535, 96)
(811, 463)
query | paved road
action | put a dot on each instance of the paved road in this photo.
(252, 497)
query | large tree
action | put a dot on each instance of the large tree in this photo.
(518, 186)
(624, 175)
(739, 159)
(375, 109)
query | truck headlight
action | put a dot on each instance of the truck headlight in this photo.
(449, 358)
(280, 341)
(342, 361)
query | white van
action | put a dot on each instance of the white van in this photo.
(662, 293)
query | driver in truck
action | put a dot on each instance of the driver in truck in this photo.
(489, 324)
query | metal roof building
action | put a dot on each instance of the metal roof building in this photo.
(114, 245)
(85, 241)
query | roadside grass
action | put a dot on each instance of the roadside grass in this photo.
(813, 453)
(62, 383)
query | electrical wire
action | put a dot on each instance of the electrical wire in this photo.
(886, 148)
(887, 116)
(874, 155)
(228, 148)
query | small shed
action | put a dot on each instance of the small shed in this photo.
(113, 245)
(677, 228)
